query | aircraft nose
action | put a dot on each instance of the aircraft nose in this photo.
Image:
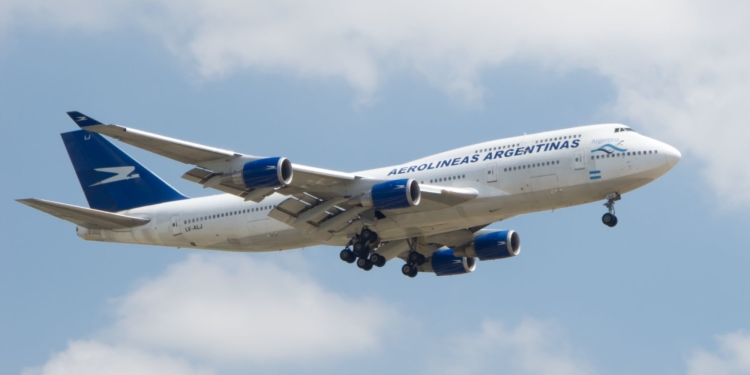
(673, 155)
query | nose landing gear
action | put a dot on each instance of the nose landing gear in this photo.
(609, 219)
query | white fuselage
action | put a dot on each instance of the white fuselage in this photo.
(513, 176)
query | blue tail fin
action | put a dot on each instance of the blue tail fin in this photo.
(112, 180)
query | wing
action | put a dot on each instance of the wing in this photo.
(212, 162)
(84, 217)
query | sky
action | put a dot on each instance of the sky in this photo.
(353, 85)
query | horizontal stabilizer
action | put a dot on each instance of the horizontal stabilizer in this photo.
(84, 217)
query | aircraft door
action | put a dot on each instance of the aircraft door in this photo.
(580, 159)
(491, 172)
(176, 225)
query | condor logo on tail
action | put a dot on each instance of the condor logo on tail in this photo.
(121, 174)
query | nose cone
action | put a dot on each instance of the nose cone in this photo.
(673, 156)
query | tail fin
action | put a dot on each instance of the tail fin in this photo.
(112, 180)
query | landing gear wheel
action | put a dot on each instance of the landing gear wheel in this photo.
(609, 220)
(407, 268)
(416, 258)
(347, 256)
(368, 236)
(378, 260)
(414, 272)
(364, 264)
(361, 249)
(358, 246)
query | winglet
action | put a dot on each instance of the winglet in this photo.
(82, 120)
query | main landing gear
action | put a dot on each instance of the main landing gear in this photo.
(609, 219)
(413, 261)
(361, 250)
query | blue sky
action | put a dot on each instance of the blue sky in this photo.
(664, 292)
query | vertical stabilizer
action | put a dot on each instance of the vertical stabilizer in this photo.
(112, 180)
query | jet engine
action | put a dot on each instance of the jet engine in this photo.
(446, 263)
(493, 245)
(392, 195)
(263, 173)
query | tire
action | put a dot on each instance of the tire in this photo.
(362, 262)
(346, 255)
(378, 260)
(375, 237)
(608, 219)
(358, 246)
(614, 222)
(406, 269)
(361, 249)
(415, 257)
(368, 265)
(367, 235)
(414, 272)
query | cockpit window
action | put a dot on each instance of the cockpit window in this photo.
(617, 130)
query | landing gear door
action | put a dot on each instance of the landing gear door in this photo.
(580, 159)
(491, 172)
(176, 225)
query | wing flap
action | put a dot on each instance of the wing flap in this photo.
(84, 217)
(450, 196)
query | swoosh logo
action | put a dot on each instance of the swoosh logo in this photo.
(81, 118)
(609, 148)
(121, 174)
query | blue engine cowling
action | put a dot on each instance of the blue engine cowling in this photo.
(264, 173)
(445, 263)
(394, 194)
(496, 245)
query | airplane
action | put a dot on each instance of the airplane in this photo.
(432, 212)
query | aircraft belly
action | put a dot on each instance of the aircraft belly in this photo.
(286, 239)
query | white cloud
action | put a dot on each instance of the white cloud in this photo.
(234, 309)
(228, 311)
(96, 358)
(531, 348)
(681, 68)
(731, 358)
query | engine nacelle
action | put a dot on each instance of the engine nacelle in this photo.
(394, 194)
(445, 263)
(264, 173)
(495, 245)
